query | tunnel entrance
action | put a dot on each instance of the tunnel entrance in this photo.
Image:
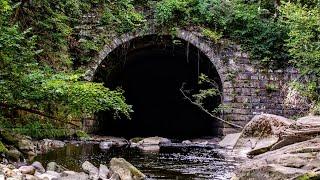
(152, 71)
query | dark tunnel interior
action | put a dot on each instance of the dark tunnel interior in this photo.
(151, 71)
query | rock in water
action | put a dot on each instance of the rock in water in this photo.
(125, 170)
(152, 143)
(91, 170)
(261, 133)
(105, 145)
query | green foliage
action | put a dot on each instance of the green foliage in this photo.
(122, 15)
(263, 37)
(207, 91)
(304, 37)
(167, 11)
(250, 24)
(41, 130)
(203, 94)
(212, 35)
(3, 149)
(82, 135)
(30, 78)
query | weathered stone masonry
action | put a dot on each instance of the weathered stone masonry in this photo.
(247, 90)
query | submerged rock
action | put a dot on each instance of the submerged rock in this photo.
(125, 170)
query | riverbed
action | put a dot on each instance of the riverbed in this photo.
(173, 161)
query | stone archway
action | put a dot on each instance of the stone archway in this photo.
(243, 84)
(199, 48)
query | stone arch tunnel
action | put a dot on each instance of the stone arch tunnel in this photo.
(152, 70)
(151, 67)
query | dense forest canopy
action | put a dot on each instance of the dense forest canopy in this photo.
(41, 54)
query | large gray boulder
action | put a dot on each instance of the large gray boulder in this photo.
(261, 133)
(125, 170)
(309, 121)
(288, 162)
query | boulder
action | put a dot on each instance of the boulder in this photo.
(108, 142)
(38, 166)
(103, 171)
(91, 170)
(261, 133)
(309, 121)
(27, 170)
(152, 143)
(125, 170)
(287, 162)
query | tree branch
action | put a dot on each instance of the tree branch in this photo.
(207, 112)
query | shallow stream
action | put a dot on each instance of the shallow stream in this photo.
(174, 161)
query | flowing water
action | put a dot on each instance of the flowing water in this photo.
(175, 161)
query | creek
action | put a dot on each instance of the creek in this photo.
(173, 161)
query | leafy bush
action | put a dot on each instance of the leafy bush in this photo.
(122, 15)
